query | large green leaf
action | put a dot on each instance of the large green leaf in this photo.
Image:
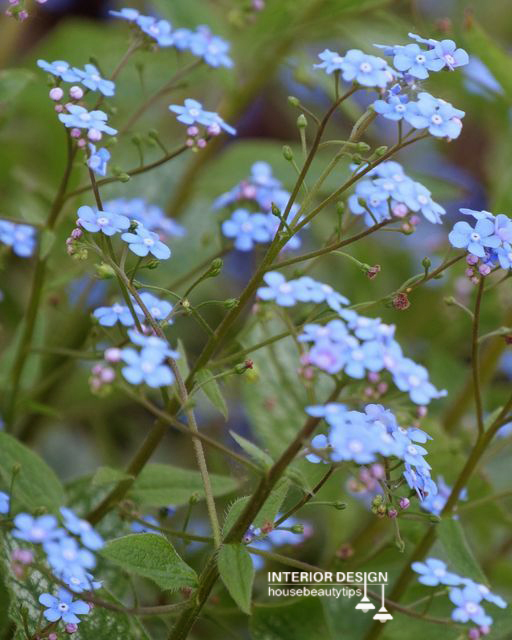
(160, 485)
(460, 557)
(260, 456)
(237, 573)
(211, 389)
(268, 511)
(300, 619)
(35, 485)
(152, 556)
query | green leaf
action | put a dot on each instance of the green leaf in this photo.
(108, 475)
(12, 82)
(36, 485)
(151, 556)
(211, 390)
(47, 241)
(300, 619)
(459, 555)
(159, 485)
(268, 511)
(237, 573)
(253, 450)
(182, 362)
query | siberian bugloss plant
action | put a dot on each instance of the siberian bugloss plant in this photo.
(234, 392)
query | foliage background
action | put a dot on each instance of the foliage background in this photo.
(77, 433)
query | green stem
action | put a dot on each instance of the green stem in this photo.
(475, 364)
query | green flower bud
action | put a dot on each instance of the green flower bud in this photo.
(287, 153)
(297, 528)
(104, 271)
(302, 122)
(275, 210)
(362, 147)
(340, 505)
(231, 303)
(215, 268)
(357, 159)
(293, 101)
(380, 151)
(426, 263)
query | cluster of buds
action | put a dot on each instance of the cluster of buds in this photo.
(73, 247)
(21, 559)
(378, 386)
(478, 632)
(101, 379)
(410, 221)
(476, 268)
(367, 480)
(198, 139)
(17, 9)
(381, 509)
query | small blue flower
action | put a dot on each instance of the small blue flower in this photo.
(91, 78)
(366, 70)
(143, 242)
(504, 254)
(327, 356)
(78, 117)
(61, 69)
(36, 529)
(192, 112)
(467, 606)
(433, 572)
(4, 502)
(159, 309)
(247, 229)
(420, 481)
(413, 378)
(415, 61)
(309, 290)
(98, 160)
(80, 582)
(181, 39)
(130, 15)
(464, 236)
(65, 555)
(440, 118)
(153, 342)
(20, 237)
(146, 366)
(150, 215)
(331, 61)
(487, 594)
(109, 316)
(278, 289)
(213, 49)
(447, 51)
(393, 108)
(88, 536)
(159, 30)
(63, 607)
(503, 227)
(104, 221)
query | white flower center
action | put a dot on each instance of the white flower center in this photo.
(439, 572)
(285, 287)
(69, 554)
(95, 77)
(337, 59)
(365, 67)
(246, 227)
(155, 312)
(147, 367)
(357, 355)
(414, 381)
(400, 107)
(420, 58)
(436, 118)
(449, 58)
(355, 446)
(61, 68)
(37, 533)
(117, 308)
(475, 237)
(85, 117)
(102, 221)
(194, 112)
(149, 242)
(422, 199)
(472, 607)
(63, 607)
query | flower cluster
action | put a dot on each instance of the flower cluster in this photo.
(389, 193)
(363, 437)
(20, 237)
(89, 76)
(201, 42)
(192, 114)
(488, 242)
(356, 66)
(252, 221)
(68, 547)
(354, 344)
(466, 594)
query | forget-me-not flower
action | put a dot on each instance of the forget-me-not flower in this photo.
(88, 536)
(61, 69)
(246, 229)
(36, 529)
(63, 607)
(439, 117)
(4, 502)
(109, 316)
(143, 242)
(146, 366)
(98, 160)
(434, 572)
(105, 221)
(20, 237)
(464, 236)
(91, 78)
(78, 117)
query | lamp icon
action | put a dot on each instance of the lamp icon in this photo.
(383, 614)
(365, 605)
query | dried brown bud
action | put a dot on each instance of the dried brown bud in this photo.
(401, 302)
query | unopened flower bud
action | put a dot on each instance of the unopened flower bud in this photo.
(243, 366)
(295, 102)
(94, 135)
(104, 271)
(201, 143)
(215, 268)
(392, 513)
(340, 505)
(302, 122)
(22, 15)
(362, 147)
(287, 153)
(357, 158)
(107, 375)
(192, 131)
(76, 234)
(71, 627)
(345, 551)
(372, 272)
(214, 129)
(484, 269)
(380, 151)
(76, 92)
(56, 94)
(426, 263)
(81, 143)
(112, 355)
(404, 503)
(231, 303)
(401, 302)
(474, 634)
(75, 132)
(297, 528)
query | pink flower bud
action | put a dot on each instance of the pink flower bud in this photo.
(400, 210)
(107, 375)
(392, 513)
(94, 135)
(485, 630)
(75, 132)
(484, 269)
(113, 354)
(471, 259)
(404, 503)
(14, 2)
(422, 412)
(192, 131)
(71, 627)
(76, 234)
(373, 376)
(59, 108)
(201, 143)
(97, 369)
(53, 635)
(75, 92)
(382, 387)
(81, 143)
(22, 15)
(214, 129)
(258, 5)
(473, 634)
(8, 13)
(470, 273)
(377, 471)
(56, 94)
(23, 556)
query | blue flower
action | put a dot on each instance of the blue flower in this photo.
(88, 536)
(159, 30)
(433, 572)
(417, 62)
(143, 242)
(159, 309)
(146, 366)
(327, 356)
(334, 331)
(192, 112)
(487, 594)
(331, 61)
(109, 316)
(503, 227)
(393, 108)
(464, 236)
(105, 221)
(440, 118)
(150, 215)
(413, 378)
(181, 39)
(261, 187)
(153, 342)
(80, 581)
(36, 529)
(98, 160)
(20, 237)
(61, 69)
(126, 14)
(65, 555)
(467, 606)
(91, 78)
(366, 70)
(246, 229)
(278, 289)
(80, 118)
(63, 607)
(213, 49)
(4, 502)
(420, 481)
(504, 254)
(435, 503)
(309, 290)
(447, 51)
